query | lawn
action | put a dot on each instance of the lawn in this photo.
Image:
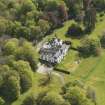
(92, 72)
(68, 63)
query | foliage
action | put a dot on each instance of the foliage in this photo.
(90, 18)
(2, 102)
(25, 72)
(3, 26)
(53, 99)
(30, 100)
(75, 30)
(102, 40)
(91, 94)
(76, 96)
(10, 87)
(74, 8)
(21, 50)
(45, 80)
(89, 47)
(16, 74)
(23, 18)
(27, 53)
(33, 20)
(43, 98)
(99, 4)
(10, 46)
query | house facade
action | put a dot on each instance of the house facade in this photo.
(54, 51)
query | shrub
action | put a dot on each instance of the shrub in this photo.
(90, 47)
(10, 87)
(77, 96)
(26, 74)
(91, 94)
(53, 99)
(34, 99)
(30, 100)
(2, 102)
(27, 53)
(45, 80)
(102, 40)
(74, 30)
(11, 46)
(44, 98)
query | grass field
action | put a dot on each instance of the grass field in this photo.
(68, 63)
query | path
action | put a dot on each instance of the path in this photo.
(61, 76)
(44, 69)
(39, 45)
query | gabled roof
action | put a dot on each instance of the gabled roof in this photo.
(52, 46)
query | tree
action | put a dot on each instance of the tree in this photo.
(10, 47)
(52, 6)
(34, 99)
(2, 102)
(24, 32)
(8, 9)
(77, 96)
(16, 28)
(53, 19)
(44, 26)
(74, 7)
(26, 6)
(90, 19)
(10, 88)
(27, 52)
(75, 30)
(36, 32)
(62, 10)
(26, 75)
(45, 80)
(30, 100)
(89, 47)
(86, 4)
(102, 40)
(41, 4)
(53, 99)
(100, 5)
(91, 94)
(3, 26)
(45, 98)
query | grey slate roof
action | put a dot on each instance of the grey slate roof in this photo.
(53, 49)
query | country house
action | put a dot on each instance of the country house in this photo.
(54, 50)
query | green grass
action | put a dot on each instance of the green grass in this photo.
(92, 72)
(67, 63)
(61, 33)
(100, 27)
(54, 86)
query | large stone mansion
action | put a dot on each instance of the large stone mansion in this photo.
(54, 51)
